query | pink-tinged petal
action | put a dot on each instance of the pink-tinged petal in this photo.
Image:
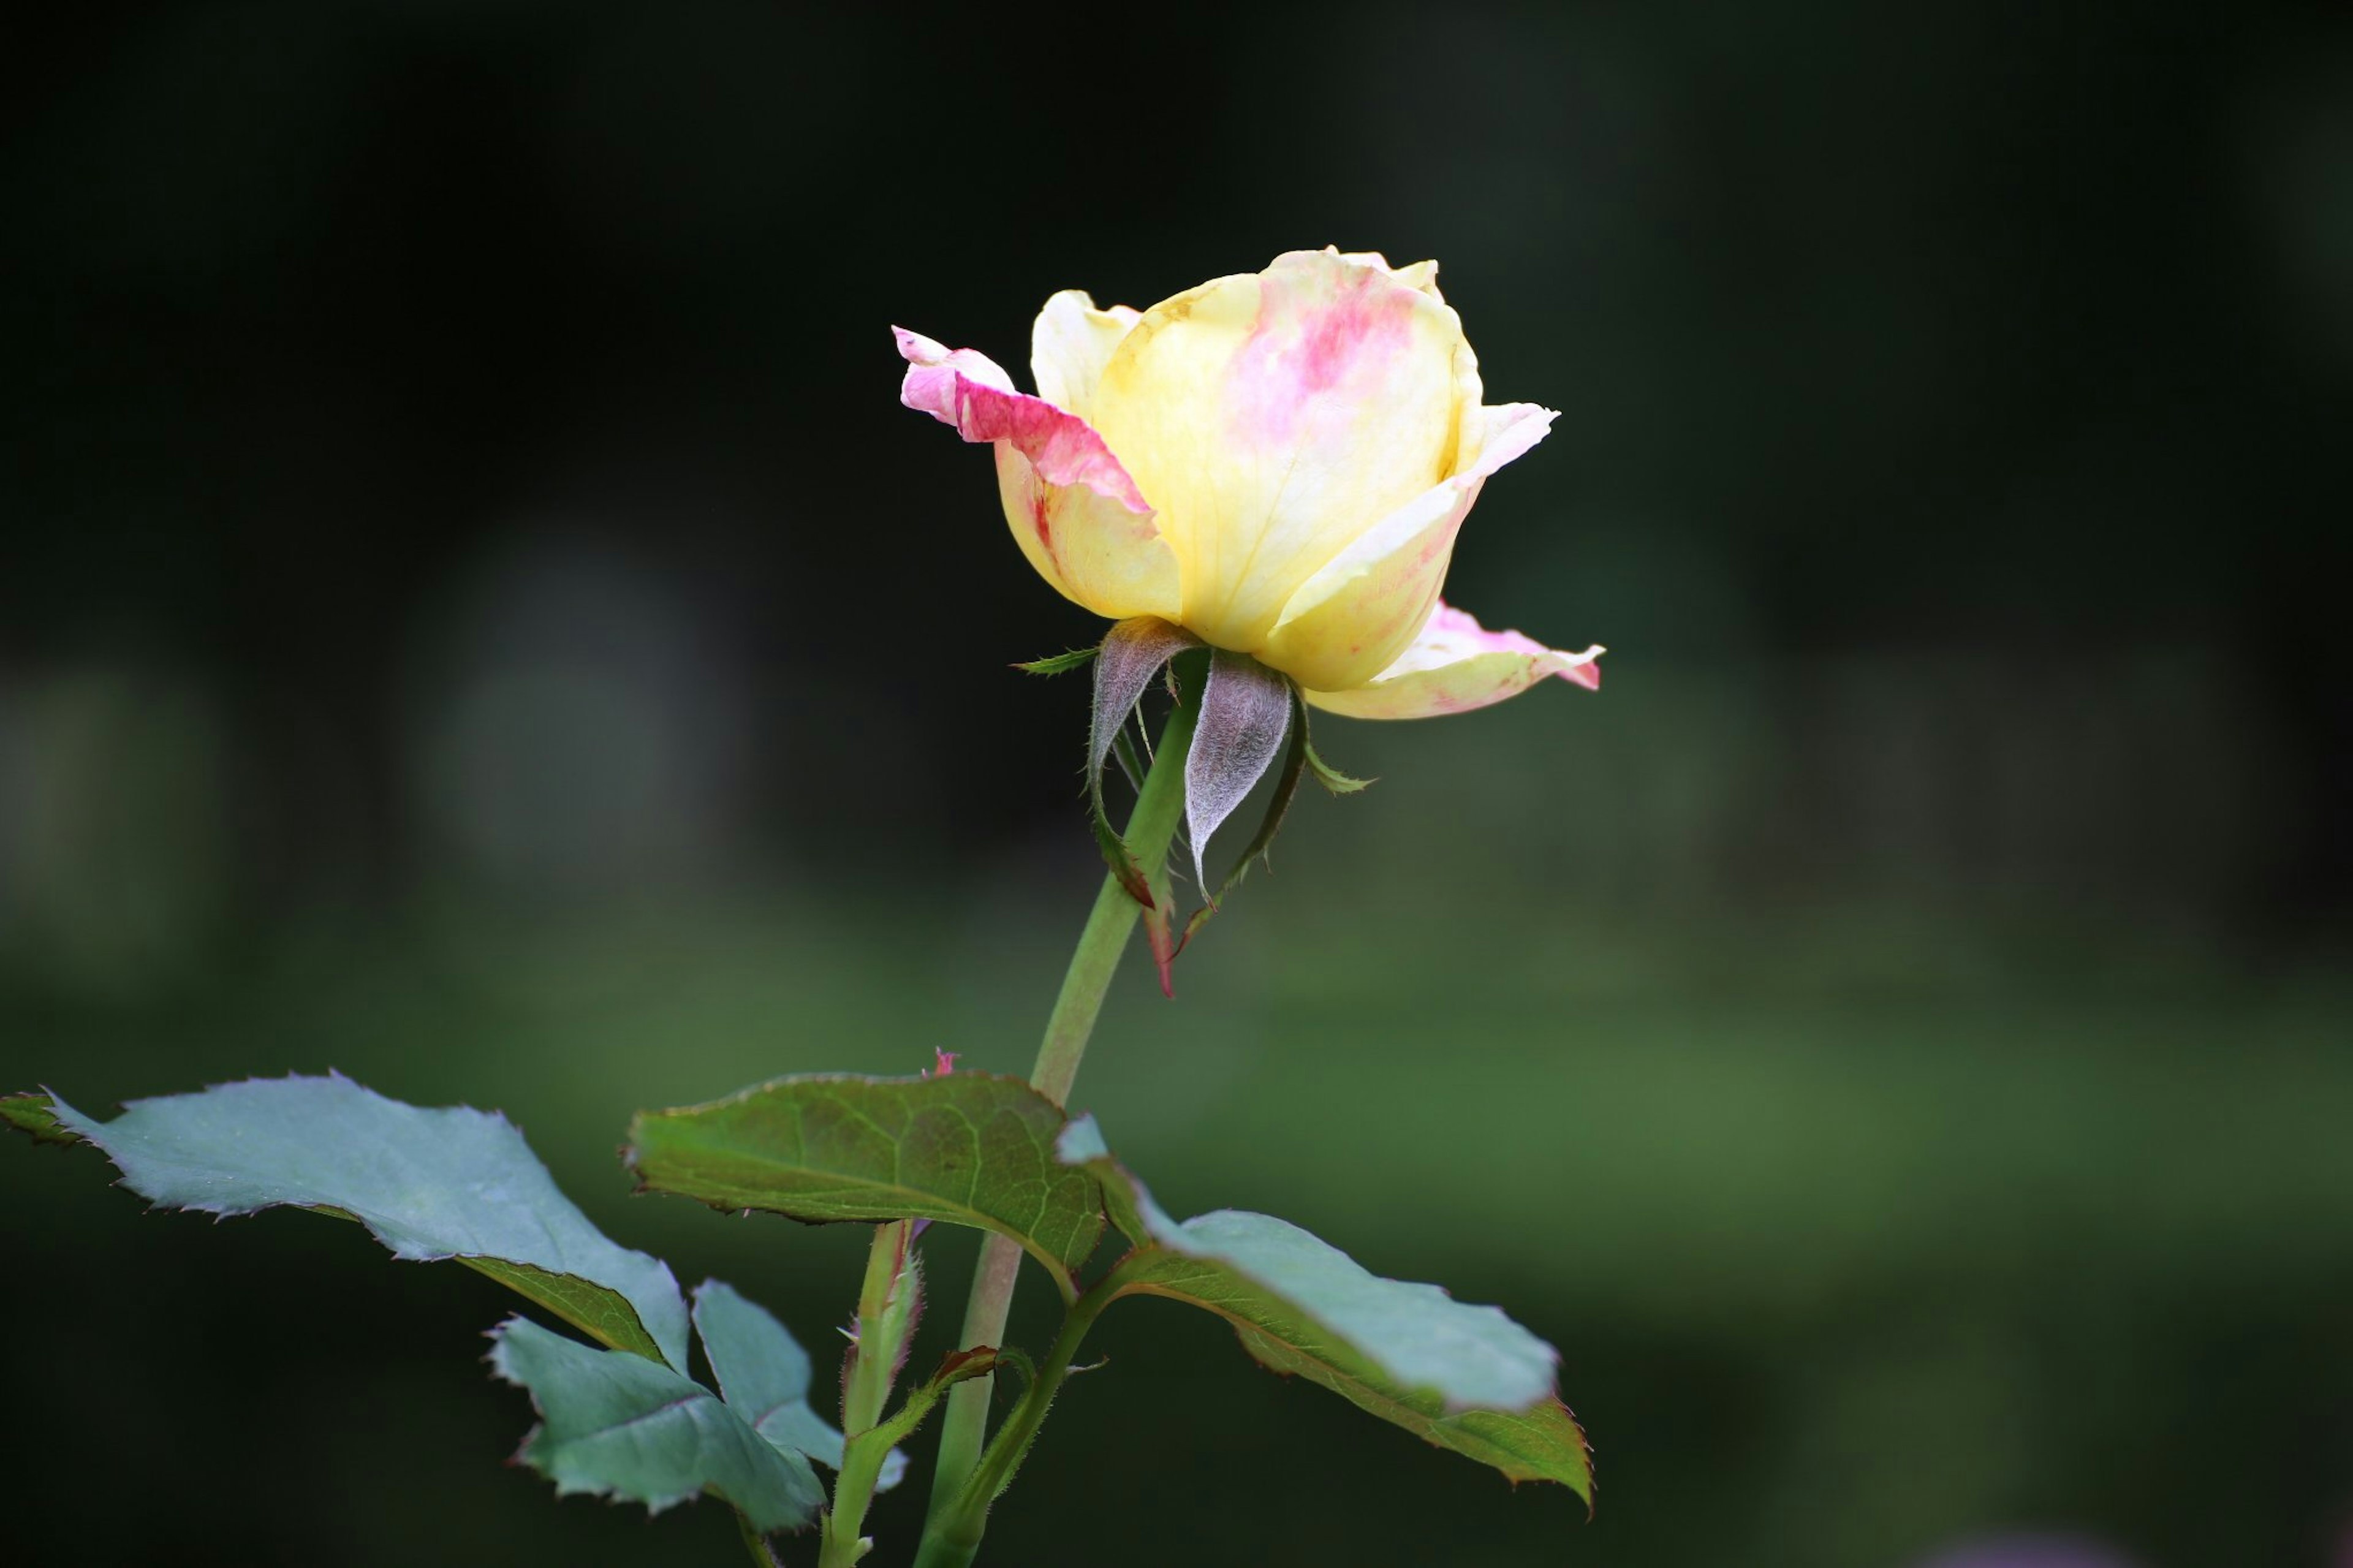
(1456, 664)
(972, 392)
(1075, 512)
(1072, 342)
(1349, 622)
(1275, 417)
(1088, 545)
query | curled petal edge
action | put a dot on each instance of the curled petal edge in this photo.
(1353, 620)
(1073, 338)
(967, 390)
(1457, 665)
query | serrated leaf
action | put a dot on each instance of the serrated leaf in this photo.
(431, 1185)
(970, 1148)
(36, 1115)
(1081, 1144)
(1463, 1377)
(600, 1311)
(1058, 663)
(763, 1376)
(620, 1426)
(1542, 1443)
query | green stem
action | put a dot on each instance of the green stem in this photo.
(876, 1354)
(844, 1543)
(1159, 805)
(862, 1465)
(884, 1316)
(954, 1538)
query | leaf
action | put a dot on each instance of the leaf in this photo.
(763, 1376)
(1058, 663)
(1245, 712)
(620, 1426)
(601, 1313)
(1125, 1202)
(1133, 653)
(430, 1184)
(970, 1148)
(1460, 1376)
(36, 1115)
(1541, 1442)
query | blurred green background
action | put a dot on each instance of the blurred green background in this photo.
(473, 615)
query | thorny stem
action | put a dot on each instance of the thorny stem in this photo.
(1159, 805)
(862, 1464)
(874, 1359)
(884, 1319)
(1019, 1430)
(955, 1538)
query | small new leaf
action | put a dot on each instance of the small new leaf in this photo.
(1059, 663)
(763, 1376)
(430, 1184)
(623, 1426)
(36, 1115)
(971, 1148)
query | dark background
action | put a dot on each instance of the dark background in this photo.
(472, 614)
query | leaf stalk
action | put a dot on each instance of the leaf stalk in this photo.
(954, 1538)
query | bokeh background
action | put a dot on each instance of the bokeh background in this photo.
(473, 615)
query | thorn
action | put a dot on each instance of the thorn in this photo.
(1163, 949)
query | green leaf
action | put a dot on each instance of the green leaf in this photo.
(36, 1115)
(763, 1374)
(1460, 1376)
(1059, 663)
(969, 1148)
(620, 1426)
(1125, 1202)
(601, 1311)
(430, 1184)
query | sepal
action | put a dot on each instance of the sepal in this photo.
(1060, 663)
(1133, 652)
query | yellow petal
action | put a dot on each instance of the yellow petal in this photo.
(1072, 343)
(1274, 419)
(1421, 275)
(1087, 544)
(1352, 619)
(1076, 511)
(1456, 664)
